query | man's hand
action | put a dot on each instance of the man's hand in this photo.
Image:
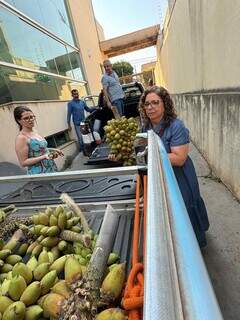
(112, 157)
(109, 105)
(69, 128)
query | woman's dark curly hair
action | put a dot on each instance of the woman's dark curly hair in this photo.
(169, 110)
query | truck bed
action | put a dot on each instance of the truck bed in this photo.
(106, 188)
(92, 195)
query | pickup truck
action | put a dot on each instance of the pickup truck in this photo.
(176, 281)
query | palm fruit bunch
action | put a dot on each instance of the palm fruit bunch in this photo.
(120, 135)
(7, 225)
(38, 274)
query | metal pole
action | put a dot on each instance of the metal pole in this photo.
(74, 175)
(161, 290)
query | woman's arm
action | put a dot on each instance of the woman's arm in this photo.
(21, 148)
(178, 155)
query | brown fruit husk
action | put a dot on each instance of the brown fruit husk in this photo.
(61, 288)
(113, 283)
(52, 305)
(72, 270)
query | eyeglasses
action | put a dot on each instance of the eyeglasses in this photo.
(153, 103)
(29, 118)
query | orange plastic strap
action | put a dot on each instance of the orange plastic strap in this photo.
(133, 294)
(136, 224)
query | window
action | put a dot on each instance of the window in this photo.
(17, 85)
(52, 14)
(26, 46)
(91, 101)
(58, 139)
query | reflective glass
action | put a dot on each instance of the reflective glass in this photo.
(52, 14)
(24, 45)
(76, 68)
(18, 85)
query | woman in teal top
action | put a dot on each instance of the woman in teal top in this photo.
(31, 148)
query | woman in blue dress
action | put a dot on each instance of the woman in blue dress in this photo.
(31, 148)
(158, 113)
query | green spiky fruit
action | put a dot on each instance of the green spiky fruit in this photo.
(50, 242)
(53, 231)
(48, 281)
(31, 293)
(33, 312)
(5, 253)
(6, 268)
(41, 270)
(112, 314)
(5, 302)
(22, 249)
(13, 259)
(22, 270)
(15, 311)
(43, 257)
(16, 287)
(59, 264)
(32, 263)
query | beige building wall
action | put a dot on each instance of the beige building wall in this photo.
(50, 119)
(198, 61)
(87, 35)
(200, 47)
(100, 31)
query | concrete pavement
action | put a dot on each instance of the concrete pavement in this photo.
(222, 254)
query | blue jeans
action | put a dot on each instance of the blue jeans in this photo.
(79, 136)
(119, 105)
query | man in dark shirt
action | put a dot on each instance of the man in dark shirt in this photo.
(75, 110)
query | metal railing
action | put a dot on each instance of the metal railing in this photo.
(177, 285)
(73, 175)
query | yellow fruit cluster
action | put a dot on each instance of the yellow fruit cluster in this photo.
(36, 278)
(120, 134)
